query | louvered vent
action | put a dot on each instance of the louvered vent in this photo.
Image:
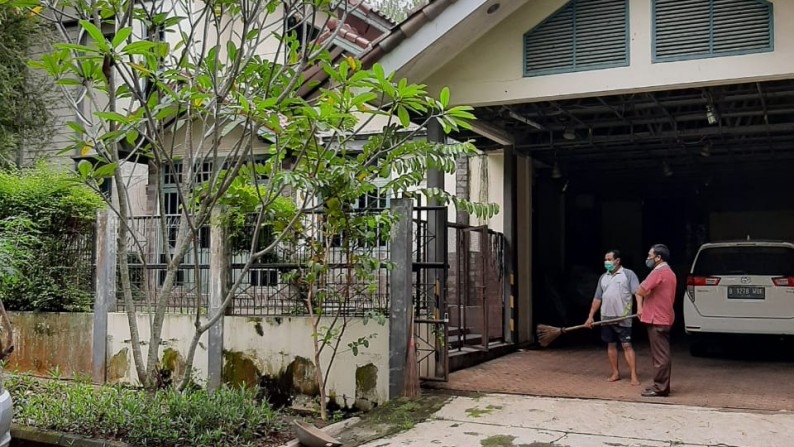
(742, 25)
(582, 35)
(686, 29)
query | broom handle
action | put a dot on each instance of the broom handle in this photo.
(599, 323)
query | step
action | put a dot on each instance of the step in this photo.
(467, 339)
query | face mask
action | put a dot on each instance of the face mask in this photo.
(610, 266)
(650, 263)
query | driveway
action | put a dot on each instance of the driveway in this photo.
(499, 420)
(743, 381)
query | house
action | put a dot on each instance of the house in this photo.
(606, 123)
(613, 123)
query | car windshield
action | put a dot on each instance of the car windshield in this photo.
(744, 260)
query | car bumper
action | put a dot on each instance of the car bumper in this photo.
(696, 323)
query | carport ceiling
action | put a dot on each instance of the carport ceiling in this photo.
(714, 128)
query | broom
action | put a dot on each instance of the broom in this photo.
(411, 376)
(547, 334)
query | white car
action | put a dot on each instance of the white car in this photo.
(6, 412)
(740, 288)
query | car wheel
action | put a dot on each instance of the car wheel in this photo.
(697, 346)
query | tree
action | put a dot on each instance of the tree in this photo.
(24, 116)
(208, 93)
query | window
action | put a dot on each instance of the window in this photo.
(582, 35)
(263, 278)
(692, 29)
(376, 200)
(179, 280)
(752, 260)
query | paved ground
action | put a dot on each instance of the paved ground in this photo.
(742, 381)
(499, 420)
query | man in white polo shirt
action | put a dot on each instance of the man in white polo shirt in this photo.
(614, 295)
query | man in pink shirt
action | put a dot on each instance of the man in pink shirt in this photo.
(655, 297)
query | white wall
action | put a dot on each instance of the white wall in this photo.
(285, 338)
(491, 190)
(177, 333)
(282, 339)
(490, 70)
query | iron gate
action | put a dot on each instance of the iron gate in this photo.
(458, 300)
(430, 265)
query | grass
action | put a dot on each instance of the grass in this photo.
(226, 417)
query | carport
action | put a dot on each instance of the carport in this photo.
(610, 124)
(680, 167)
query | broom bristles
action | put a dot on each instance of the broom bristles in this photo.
(411, 386)
(547, 334)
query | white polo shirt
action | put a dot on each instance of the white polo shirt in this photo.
(615, 291)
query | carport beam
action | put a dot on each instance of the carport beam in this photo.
(509, 227)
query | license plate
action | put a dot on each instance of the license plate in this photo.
(746, 292)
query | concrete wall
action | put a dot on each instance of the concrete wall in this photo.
(256, 351)
(46, 341)
(490, 70)
(273, 344)
(262, 346)
(177, 334)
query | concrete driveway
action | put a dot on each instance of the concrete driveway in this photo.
(740, 380)
(498, 420)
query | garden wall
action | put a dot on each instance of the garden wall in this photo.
(45, 342)
(268, 351)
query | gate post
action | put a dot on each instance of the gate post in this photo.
(437, 251)
(511, 283)
(220, 271)
(105, 242)
(400, 299)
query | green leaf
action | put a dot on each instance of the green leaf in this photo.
(444, 97)
(132, 136)
(141, 47)
(68, 81)
(95, 34)
(76, 127)
(105, 171)
(112, 116)
(84, 168)
(75, 47)
(121, 36)
(402, 114)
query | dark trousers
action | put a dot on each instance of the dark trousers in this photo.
(659, 339)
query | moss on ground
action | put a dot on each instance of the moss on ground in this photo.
(477, 412)
(498, 441)
(393, 417)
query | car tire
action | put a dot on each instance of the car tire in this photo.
(697, 346)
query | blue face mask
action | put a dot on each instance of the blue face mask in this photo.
(650, 263)
(610, 266)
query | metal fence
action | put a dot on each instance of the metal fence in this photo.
(273, 285)
(148, 258)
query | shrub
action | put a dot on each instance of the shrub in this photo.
(61, 213)
(225, 417)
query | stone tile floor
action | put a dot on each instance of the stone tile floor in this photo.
(742, 380)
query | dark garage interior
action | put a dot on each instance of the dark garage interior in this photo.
(680, 167)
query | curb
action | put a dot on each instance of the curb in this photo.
(49, 437)
(333, 430)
